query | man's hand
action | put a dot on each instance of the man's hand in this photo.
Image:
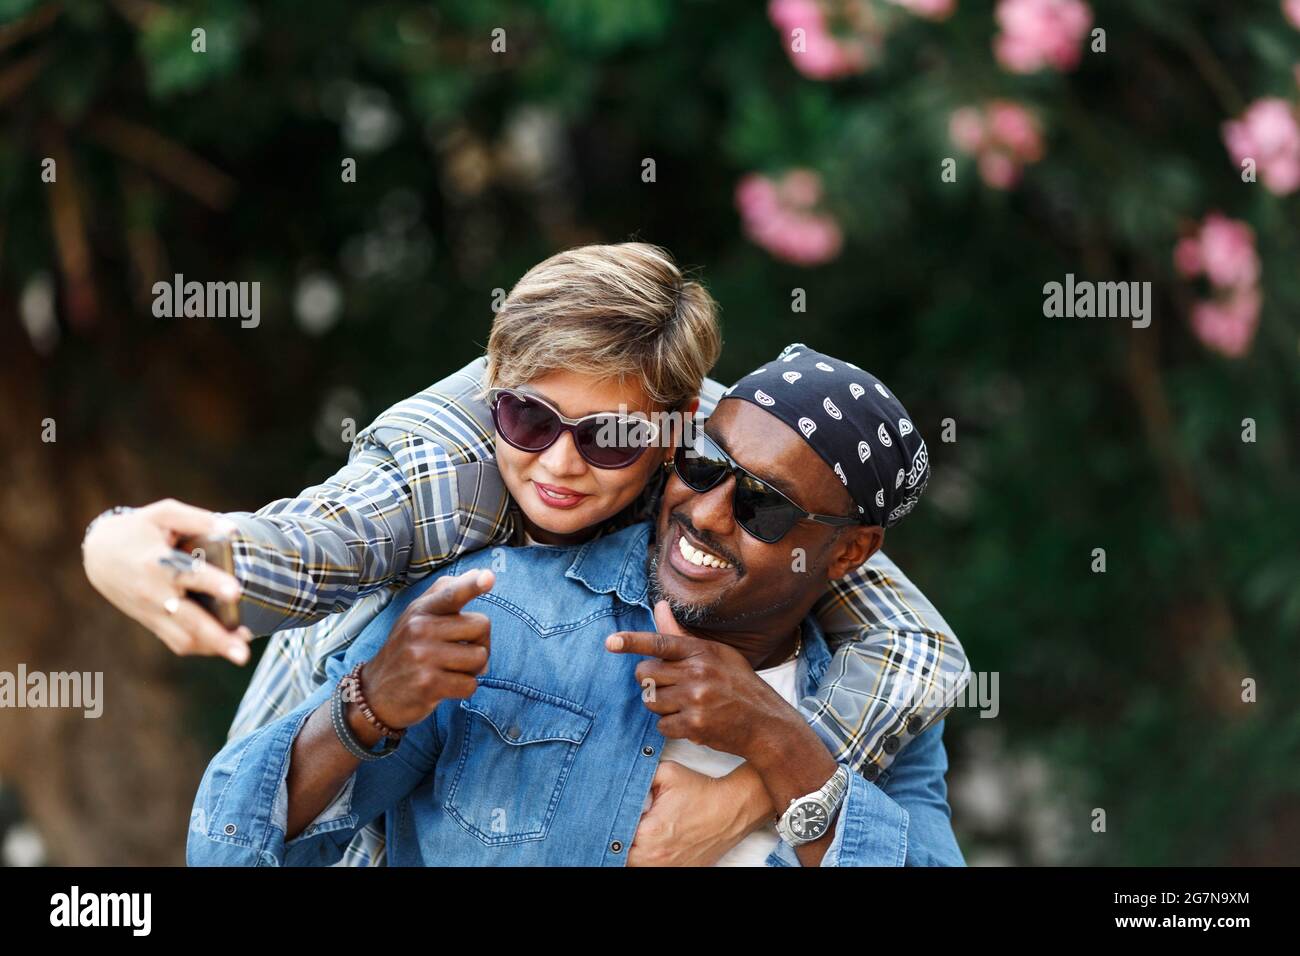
(702, 690)
(123, 556)
(694, 819)
(435, 651)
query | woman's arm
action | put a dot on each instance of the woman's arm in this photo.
(897, 668)
(404, 506)
(420, 489)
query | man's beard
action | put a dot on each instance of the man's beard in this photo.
(687, 615)
(703, 616)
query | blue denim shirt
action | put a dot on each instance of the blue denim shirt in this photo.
(550, 761)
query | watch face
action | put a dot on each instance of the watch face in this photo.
(808, 820)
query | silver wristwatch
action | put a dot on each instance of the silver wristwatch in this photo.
(809, 817)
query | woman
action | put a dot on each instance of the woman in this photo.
(600, 330)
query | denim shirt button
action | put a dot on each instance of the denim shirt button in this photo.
(648, 751)
(230, 829)
(616, 846)
(514, 732)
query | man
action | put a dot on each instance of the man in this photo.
(549, 757)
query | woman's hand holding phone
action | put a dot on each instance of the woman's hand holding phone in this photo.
(141, 561)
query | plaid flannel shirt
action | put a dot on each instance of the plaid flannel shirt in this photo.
(421, 487)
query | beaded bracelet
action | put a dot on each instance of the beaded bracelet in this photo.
(358, 697)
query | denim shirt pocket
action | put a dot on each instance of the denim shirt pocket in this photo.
(517, 747)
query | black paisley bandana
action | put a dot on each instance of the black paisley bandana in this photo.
(852, 421)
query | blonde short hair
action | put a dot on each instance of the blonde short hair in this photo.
(623, 309)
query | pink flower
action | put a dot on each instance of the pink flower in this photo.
(999, 170)
(819, 53)
(1040, 33)
(755, 195)
(966, 129)
(801, 188)
(930, 9)
(788, 14)
(1003, 137)
(1291, 10)
(1228, 251)
(1015, 128)
(779, 215)
(1269, 134)
(1228, 325)
(1223, 250)
(1187, 257)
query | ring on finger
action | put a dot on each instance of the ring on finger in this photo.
(172, 605)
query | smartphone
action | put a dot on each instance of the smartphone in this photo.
(217, 552)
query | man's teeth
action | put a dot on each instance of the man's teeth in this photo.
(702, 558)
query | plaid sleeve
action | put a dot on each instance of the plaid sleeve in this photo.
(897, 667)
(301, 558)
(397, 511)
(419, 489)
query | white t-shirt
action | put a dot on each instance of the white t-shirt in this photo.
(754, 849)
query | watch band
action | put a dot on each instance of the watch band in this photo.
(830, 795)
(837, 787)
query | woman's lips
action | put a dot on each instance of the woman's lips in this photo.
(557, 496)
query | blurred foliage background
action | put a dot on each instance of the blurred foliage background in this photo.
(1119, 691)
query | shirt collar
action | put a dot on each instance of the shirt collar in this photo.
(814, 660)
(615, 564)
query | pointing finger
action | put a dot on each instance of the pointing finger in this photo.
(449, 595)
(668, 647)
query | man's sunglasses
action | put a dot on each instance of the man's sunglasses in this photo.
(763, 511)
(605, 439)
